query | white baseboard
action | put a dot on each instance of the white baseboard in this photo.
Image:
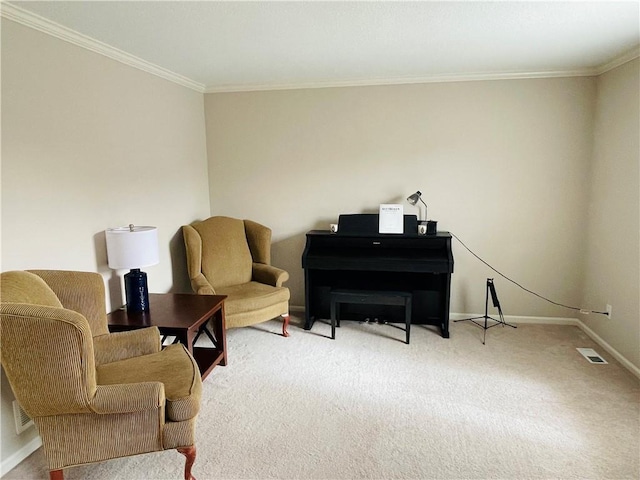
(612, 351)
(296, 308)
(14, 460)
(565, 321)
(519, 319)
(542, 321)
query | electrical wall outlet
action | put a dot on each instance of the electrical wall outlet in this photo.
(609, 311)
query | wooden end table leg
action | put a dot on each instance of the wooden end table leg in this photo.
(56, 475)
(219, 327)
(285, 325)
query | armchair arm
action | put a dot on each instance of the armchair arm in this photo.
(119, 346)
(201, 286)
(129, 397)
(269, 274)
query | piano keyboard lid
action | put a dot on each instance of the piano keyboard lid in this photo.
(367, 224)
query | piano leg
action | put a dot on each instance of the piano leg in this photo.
(445, 328)
(446, 296)
(285, 325)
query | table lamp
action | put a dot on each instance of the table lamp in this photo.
(133, 247)
(430, 226)
(413, 200)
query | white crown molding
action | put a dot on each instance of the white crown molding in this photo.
(616, 62)
(464, 77)
(467, 77)
(24, 17)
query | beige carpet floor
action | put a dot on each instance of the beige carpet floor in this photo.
(526, 405)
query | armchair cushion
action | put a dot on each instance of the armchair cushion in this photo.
(252, 296)
(226, 260)
(121, 345)
(173, 367)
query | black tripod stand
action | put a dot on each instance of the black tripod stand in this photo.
(496, 303)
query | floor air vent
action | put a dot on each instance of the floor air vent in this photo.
(23, 421)
(591, 355)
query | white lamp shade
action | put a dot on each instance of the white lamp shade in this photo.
(132, 247)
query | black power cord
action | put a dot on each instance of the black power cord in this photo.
(581, 310)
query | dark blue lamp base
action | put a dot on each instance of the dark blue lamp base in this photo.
(136, 290)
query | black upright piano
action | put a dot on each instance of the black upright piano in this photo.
(358, 257)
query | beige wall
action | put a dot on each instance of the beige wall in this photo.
(613, 255)
(89, 143)
(502, 164)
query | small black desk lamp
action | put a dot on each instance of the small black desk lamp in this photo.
(413, 200)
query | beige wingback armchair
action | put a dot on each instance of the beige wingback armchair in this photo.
(228, 256)
(92, 395)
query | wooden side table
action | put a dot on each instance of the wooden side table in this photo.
(182, 315)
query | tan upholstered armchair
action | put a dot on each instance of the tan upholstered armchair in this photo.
(93, 395)
(227, 256)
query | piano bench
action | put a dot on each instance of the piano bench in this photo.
(369, 297)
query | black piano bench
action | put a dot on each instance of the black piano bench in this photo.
(369, 297)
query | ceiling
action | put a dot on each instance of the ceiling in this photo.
(226, 46)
